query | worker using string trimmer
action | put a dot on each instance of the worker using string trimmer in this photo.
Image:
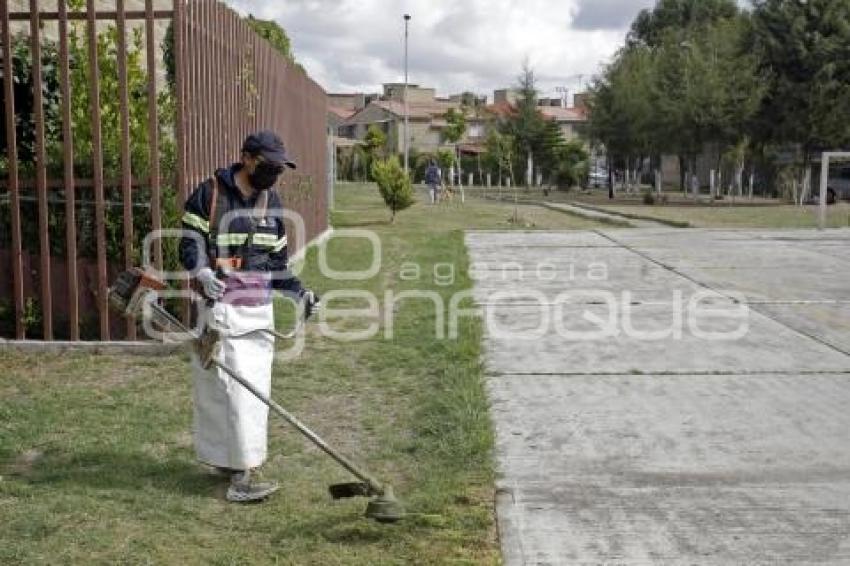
(243, 259)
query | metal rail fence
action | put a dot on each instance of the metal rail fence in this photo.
(228, 81)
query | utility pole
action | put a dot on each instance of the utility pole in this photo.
(406, 106)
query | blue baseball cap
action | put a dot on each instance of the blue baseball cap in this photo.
(270, 146)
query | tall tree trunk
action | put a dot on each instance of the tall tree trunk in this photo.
(806, 174)
(807, 182)
(712, 183)
(739, 178)
(624, 182)
(694, 178)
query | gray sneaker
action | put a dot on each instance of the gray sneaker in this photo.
(243, 490)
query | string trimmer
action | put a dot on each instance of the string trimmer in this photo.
(136, 293)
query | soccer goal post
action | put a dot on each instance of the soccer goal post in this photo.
(824, 180)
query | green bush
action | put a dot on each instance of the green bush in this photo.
(393, 184)
(570, 165)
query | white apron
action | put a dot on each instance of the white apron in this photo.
(231, 425)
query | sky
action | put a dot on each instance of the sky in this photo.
(454, 45)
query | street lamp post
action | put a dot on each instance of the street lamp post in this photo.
(406, 107)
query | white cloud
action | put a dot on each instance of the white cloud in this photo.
(478, 45)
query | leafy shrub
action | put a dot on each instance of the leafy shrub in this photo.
(393, 184)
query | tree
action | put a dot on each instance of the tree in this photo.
(551, 140)
(500, 153)
(571, 163)
(445, 159)
(804, 50)
(393, 184)
(624, 108)
(685, 79)
(374, 146)
(375, 141)
(455, 126)
(526, 124)
(563, 163)
(453, 132)
(710, 88)
(274, 34)
(652, 27)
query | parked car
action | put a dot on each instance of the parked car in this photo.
(839, 182)
(837, 187)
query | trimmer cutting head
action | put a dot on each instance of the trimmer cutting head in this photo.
(383, 507)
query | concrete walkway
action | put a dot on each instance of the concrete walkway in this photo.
(725, 442)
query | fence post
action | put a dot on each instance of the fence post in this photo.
(153, 131)
(126, 174)
(41, 175)
(179, 27)
(14, 189)
(68, 178)
(97, 155)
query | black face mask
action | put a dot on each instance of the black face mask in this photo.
(264, 176)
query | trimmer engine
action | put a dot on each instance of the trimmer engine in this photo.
(128, 292)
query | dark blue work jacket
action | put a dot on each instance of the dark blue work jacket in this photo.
(269, 249)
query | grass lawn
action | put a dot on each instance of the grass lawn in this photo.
(741, 215)
(729, 213)
(96, 462)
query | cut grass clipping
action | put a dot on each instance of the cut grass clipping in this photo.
(96, 458)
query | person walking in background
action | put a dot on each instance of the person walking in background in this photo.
(433, 178)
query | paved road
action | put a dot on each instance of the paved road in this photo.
(725, 442)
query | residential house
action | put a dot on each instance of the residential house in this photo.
(569, 119)
(353, 114)
(426, 117)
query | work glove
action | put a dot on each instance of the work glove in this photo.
(311, 301)
(212, 285)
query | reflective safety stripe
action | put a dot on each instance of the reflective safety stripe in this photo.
(264, 240)
(279, 245)
(231, 239)
(196, 221)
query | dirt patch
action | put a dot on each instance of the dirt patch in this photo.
(23, 464)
